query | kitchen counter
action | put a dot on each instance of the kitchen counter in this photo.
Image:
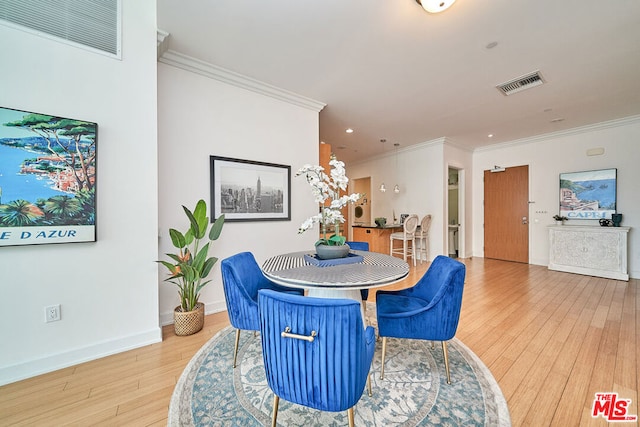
(391, 226)
(377, 237)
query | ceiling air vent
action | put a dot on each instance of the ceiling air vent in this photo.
(521, 83)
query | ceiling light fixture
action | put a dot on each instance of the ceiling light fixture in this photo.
(349, 130)
(396, 189)
(382, 187)
(435, 6)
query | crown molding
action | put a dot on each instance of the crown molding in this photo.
(187, 63)
(162, 38)
(568, 132)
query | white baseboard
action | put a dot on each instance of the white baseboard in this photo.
(32, 368)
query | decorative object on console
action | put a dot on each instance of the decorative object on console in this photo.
(616, 219)
(605, 222)
(380, 221)
(190, 267)
(560, 219)
(326, 190)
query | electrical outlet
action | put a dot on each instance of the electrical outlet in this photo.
(52, 313)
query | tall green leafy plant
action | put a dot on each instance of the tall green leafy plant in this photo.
(192, 264)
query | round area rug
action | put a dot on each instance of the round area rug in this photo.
(414, 391)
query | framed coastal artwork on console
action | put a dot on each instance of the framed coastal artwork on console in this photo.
(247, 190)
(588, 194)
(47, 179)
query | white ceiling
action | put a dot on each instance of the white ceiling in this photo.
(388, 69)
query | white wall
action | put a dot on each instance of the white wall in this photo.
(107, 289)
(199, 116)
(549, 156)
(422, 177)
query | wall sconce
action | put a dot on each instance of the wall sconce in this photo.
(435, 6)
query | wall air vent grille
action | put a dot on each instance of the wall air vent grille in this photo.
(521, 83)
(94, 24)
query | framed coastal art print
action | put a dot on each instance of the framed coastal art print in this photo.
(246, 190)
(588, 194)
(47, 179)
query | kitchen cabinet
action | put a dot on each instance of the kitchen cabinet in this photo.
(377, 237)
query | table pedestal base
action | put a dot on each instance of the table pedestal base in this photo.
(353, 294)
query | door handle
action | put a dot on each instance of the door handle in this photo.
(524, 220)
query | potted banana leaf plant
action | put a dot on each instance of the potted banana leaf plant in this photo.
(190, 266)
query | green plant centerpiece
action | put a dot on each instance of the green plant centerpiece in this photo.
(190, 266)
(380, 221)
(326, 190)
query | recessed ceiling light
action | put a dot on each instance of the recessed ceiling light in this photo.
(349, 130)
(490, 135)
(491, 45)
(558, 120)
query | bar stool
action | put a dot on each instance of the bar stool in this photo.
(422, 238)
(408, 234)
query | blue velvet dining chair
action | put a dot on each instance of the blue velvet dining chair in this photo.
(430, 310)
(361, 246)
(316, 351)
(241, 280)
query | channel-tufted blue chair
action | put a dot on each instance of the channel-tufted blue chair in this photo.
(430, 310)
(316, 351)
(242, 279)
(361, 246)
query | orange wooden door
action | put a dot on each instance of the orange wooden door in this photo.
(506, 214)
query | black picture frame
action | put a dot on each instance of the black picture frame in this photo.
(248, 190)
(48, 177)
(589, 194)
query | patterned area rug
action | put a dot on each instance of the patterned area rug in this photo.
(414, 391)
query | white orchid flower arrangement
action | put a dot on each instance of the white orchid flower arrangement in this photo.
(325, 187)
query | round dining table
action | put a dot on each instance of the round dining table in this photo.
(335, 281)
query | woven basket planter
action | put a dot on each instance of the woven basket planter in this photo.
(188, 322)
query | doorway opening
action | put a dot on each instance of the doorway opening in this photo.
(455, 212)
(362, 209)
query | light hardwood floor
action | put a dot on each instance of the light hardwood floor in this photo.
(552, 340)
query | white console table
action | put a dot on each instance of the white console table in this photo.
(591, 250)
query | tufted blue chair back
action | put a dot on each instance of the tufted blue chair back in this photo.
(430, 309)
(358, 246)
(328, 374)
(242, 279)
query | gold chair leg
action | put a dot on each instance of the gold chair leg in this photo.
(274, 416)
(235, 351)
(351, 418)
(369, 384)
(446, 360)
(384, 351)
